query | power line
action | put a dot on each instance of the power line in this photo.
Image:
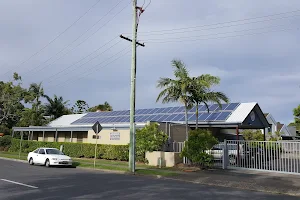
(79, 37)
(83, 59)
(220, 23)
(219, 26)
(223, 37)
(176, 38)
(60, 34)
(88, 70)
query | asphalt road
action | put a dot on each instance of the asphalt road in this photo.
(70, 183)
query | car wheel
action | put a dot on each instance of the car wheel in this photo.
(31, 161)
(47, 163)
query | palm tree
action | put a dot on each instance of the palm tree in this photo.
(201, 92)
(56, 107)
(36, 92)
(177, 89)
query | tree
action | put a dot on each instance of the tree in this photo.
(195, 148)
(296, 123)
(177, 89)
(11, 97)
(201, 92)
(32, 117)
(56, 107)
(36, 91)
(80, 107)
(253, 135)
(102, 107)
(149, 138)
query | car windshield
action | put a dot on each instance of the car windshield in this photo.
(54, 151)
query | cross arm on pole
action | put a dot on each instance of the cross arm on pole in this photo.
(126, 38)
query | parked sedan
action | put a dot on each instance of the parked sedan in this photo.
(48, 157)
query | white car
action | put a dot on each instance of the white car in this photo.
(217, 152)
(48, 157)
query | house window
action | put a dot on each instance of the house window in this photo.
(94, 136)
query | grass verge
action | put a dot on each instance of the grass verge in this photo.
(142, 169)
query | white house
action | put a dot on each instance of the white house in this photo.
(277, 126)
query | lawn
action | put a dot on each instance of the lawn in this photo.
(104, 164)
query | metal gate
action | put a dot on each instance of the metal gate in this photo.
(279, 156)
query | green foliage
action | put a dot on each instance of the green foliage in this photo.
(109, 152)
(56, 107)
(253, 135)
(31, 117)
(149, 138)
(11, 97)
(296, 112)
(275, 137)
(5, 141)
(4, 129)
(199, 141)
(102, 107)
(80, 107)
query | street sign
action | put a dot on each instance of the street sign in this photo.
(97, 127)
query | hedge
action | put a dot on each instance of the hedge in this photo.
(109, 152)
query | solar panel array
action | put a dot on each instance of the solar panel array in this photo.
(168, 114)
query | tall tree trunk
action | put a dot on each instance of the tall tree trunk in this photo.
(186, 122)
(197, 115)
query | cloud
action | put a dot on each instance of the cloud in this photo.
(261, 68)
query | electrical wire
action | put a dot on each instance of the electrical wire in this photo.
(184, 37)
(96, 68)
(214, 24)
(60, 34)
(78, 38)
(233, 25)
(51, 80)
(223, 37)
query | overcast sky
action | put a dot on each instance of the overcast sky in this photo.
(257, 59)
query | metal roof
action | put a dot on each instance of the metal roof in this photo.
(64, 123)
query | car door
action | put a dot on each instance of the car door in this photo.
(41, 157)
(34, 155)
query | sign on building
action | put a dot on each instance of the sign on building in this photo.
(115, 136)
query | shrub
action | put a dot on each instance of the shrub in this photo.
(253, 135)
(194, 149)
(5, 142)
(149, 138)
(109, 152)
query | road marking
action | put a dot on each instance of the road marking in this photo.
(19, 183)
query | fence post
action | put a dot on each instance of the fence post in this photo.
(225, 155)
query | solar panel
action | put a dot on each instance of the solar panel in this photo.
(232, 106)
(170, 117)
(160, 110)
(139, 111)
(172, 109)
(152, 111)
(213, 107)
(223, 116)
(192, 117)
(213, 116)
(203, 116)
(203, 108)
(181, 109)
(151, 117)
(163, 118)
(147, 111)
(179, 117)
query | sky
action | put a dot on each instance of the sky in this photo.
(73, 47)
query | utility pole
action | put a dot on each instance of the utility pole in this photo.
(132, 93)
(133, 85)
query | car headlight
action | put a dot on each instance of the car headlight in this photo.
(54, 159)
